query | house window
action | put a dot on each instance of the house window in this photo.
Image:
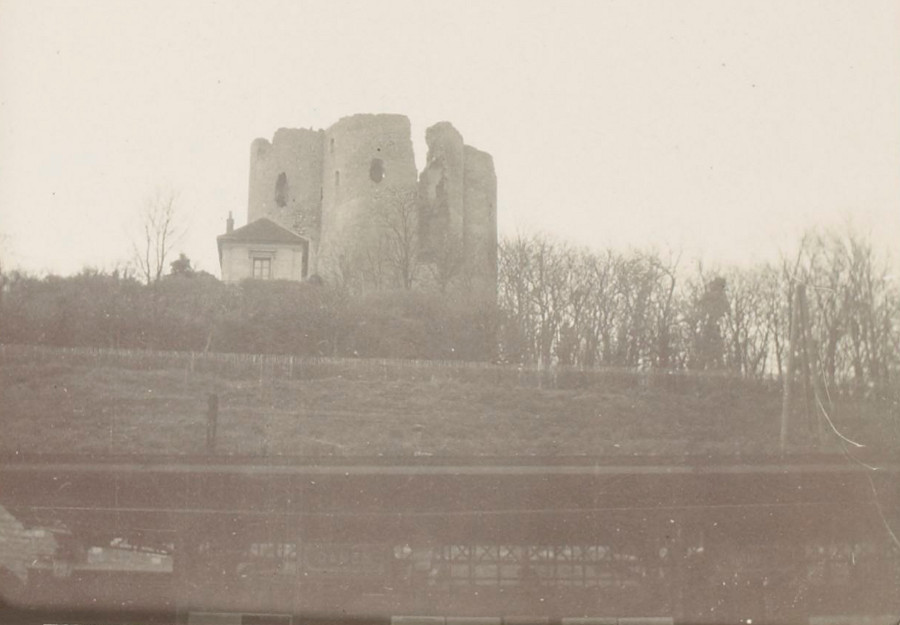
(262, 268)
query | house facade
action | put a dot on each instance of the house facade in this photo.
(262, 250)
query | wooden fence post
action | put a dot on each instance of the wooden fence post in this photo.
(212, 418)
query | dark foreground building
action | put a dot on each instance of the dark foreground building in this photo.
(207, 540)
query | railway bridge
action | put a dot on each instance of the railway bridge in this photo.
(284, 540)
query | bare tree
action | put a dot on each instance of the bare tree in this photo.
(872, 307)
(853, 309)
(546, 277)
(707, 311)
(159, 230)
(513, 288)
(747, 328)
(825, 269)
(636, 280)
(574, 295)
(601, 308)
(397, 221)
(664, 308)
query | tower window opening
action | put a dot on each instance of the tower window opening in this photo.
(281, 191)
(376, 170)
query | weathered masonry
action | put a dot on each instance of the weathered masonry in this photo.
(363, 214)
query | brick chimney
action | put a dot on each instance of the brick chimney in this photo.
(229, 224)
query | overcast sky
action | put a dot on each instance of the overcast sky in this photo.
(718, 128)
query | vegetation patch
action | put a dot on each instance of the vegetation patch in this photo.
(68, 401)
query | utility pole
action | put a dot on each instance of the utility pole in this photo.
(812, 382)
(803, 352)
(801, 346)
(788, 383)
(212, 418)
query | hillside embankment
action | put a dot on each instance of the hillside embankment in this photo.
(82, 401)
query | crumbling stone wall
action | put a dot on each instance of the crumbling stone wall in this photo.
(442, 188)
(286, 182)
(458, 195)
(480, 220)
(365, 155)
(336, 187)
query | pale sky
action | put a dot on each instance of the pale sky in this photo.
(718, 128)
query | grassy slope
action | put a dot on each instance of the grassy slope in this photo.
(57, 405)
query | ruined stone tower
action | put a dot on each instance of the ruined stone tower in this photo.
(352, 191)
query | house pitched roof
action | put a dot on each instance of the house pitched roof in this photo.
(263, 231)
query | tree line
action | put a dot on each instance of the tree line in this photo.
(573, 306)
(557, 305)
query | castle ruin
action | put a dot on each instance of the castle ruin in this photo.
(351, 192)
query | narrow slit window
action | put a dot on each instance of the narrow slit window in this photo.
(376, 170)
(281, 191)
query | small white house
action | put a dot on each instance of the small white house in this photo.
(262, 250)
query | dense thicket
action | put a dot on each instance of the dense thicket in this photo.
(558, 305)
(196, 312)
